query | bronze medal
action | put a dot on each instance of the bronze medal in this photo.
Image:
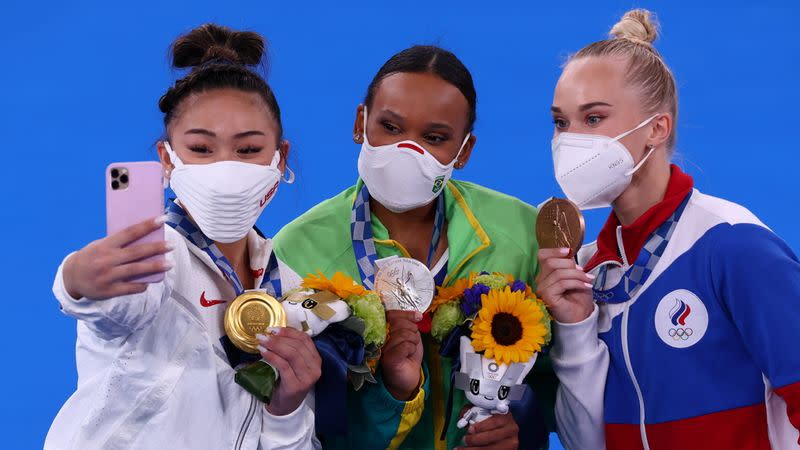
(560, 225)
(250, 314)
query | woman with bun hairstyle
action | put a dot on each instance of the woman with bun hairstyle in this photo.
(414, 127)
(677, 328)
(154, 367)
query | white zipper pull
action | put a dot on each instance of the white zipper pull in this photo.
(621, 248)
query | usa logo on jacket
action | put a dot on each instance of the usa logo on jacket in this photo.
(681, 319)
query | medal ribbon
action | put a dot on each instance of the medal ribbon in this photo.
(640, 271)
(364, 244)
(179, 220)
(337, 346)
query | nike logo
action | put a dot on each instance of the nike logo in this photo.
(208, 303)
(257, 273)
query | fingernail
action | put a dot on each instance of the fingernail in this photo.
(579, 267)
(471, 429)
(169, 246)
(160, 220)
(261, 349)
(273, 330)
(588, 285)
(417, 316)
(261, 338)
(563, 251)
(166, 265)
(590, 276)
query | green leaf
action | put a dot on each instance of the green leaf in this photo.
(259, 379)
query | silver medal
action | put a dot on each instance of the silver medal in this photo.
(404, 284)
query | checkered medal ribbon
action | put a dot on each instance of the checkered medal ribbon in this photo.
(179, 220)
(364, 244)
(648, 258)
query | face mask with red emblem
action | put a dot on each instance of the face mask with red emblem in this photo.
(403, 176)
(225, 198)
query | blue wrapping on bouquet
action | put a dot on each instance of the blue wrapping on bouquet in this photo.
(339, 347)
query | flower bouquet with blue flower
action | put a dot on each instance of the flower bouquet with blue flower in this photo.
(492, 326)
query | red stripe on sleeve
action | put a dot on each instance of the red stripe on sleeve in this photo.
(791, 395)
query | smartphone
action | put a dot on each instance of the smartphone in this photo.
(135, 193)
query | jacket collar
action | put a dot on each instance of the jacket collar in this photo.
(465, 236)
(258, 247)
(614, 237)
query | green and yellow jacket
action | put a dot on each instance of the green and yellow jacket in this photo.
(486, 231)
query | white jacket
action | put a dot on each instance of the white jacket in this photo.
(152, 373)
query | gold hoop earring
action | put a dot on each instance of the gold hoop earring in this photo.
(357, 138)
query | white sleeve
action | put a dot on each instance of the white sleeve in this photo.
(292, 431)
(118, 316)
(580, 360)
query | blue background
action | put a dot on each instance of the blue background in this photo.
(80, 84)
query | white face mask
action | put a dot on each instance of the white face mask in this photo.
(225, 198)
(403, 176)
(593, 170)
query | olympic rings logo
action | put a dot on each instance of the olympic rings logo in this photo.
(602, 297)
(680, 333)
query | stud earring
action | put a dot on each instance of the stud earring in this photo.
(357, 138)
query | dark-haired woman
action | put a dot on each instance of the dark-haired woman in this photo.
(414, 127)
(153, 367)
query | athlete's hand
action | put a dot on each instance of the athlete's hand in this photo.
(104, 268)
(563, 286)
(401, 357)
(293, 354)
(497, 432)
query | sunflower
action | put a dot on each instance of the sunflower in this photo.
(509, 328)
(339, 284)
(445, 294)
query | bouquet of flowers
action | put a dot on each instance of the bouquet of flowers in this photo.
(498, 326)
(348, 326)
(354, 308)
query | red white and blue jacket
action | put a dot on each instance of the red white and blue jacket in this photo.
(705, 355)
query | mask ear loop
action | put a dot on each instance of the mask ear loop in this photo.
(366, 141)
(276, 161)
(461, 149)
(652, 149)
(289, 180)
(173, 158)
(641, 163)
(645, 122)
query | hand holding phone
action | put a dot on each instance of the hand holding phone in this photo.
(116, 265)
(132, 255)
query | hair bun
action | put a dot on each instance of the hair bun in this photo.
(208, 42)
(638, 25)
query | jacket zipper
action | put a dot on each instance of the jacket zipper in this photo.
(246, 425)
(627, 357)
(625, 352)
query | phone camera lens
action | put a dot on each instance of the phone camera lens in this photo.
(123, 179)
(114, 173)
(115, 184)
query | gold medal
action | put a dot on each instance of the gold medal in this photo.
(250, 314)
(560, 225)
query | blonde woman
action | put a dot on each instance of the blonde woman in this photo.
(676, 329)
